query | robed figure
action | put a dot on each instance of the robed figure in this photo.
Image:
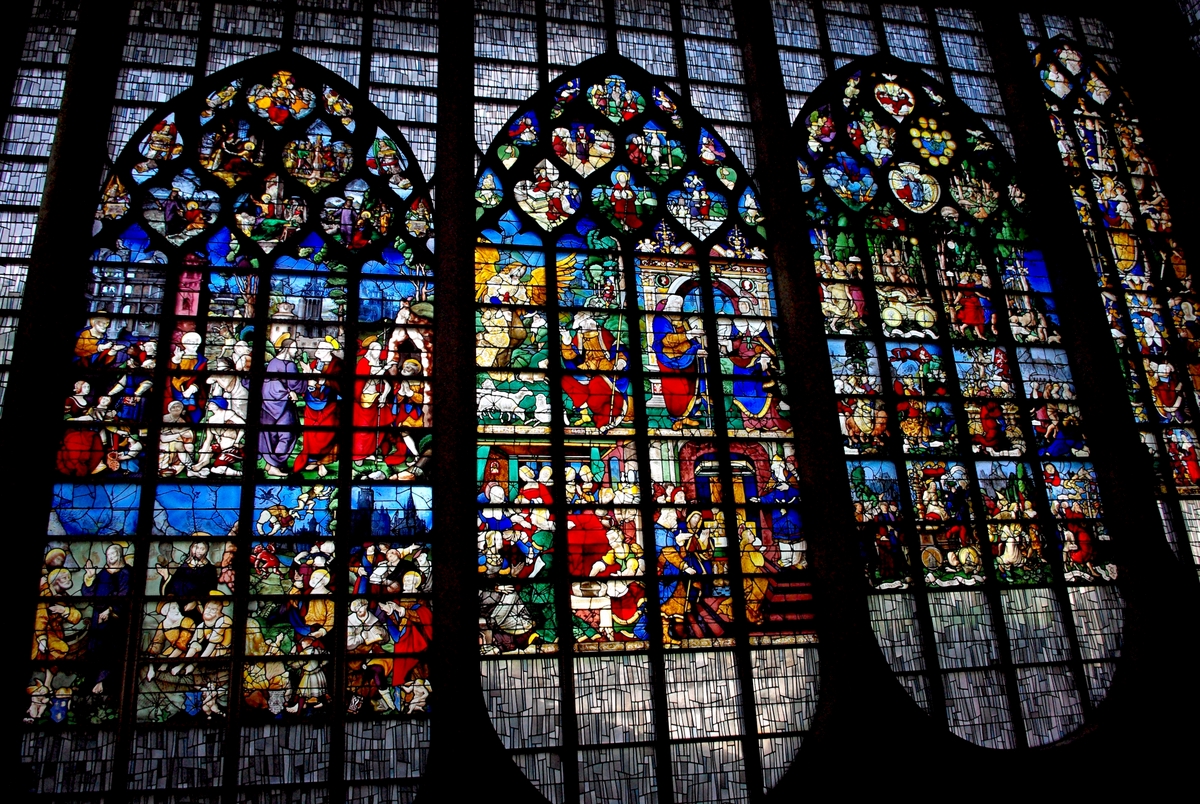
(281, 392)
(680, 356)
(591, 347)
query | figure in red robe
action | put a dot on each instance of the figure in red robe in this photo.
(588, 545)
(535, 489)
(371, 409)
(971, 312)
(993, 427)
(409, 628)
(591, 347)
(624, 201)
(318, 448)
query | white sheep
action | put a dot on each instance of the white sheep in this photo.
(506, 405)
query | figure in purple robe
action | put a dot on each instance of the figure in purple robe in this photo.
(280, 394)
(173, 208)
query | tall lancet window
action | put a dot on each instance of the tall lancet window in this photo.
(1143, 278)
(645, 613)
(238, 559)
(987, 562)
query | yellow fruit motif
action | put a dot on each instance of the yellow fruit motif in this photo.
(934, 145)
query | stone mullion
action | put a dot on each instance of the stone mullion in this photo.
(683, 74)
(610, 26)
(54, 293)
(853, 674)
(460, 726)
(543, 62)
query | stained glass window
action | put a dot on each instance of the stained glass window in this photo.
(1089, 30)
(989, 570)
(234, 586)
(1141, 270)
(645, 611)
(947, 42)
(695, 52)
(386, 48)
(242, 486)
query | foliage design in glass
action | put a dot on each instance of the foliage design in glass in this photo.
(637, 487)
(243, 485)
(989, 568)
(1141, 271)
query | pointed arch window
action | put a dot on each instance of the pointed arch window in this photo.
(240, 494)
(646, 614)
(988, 566)
(1141, 272)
